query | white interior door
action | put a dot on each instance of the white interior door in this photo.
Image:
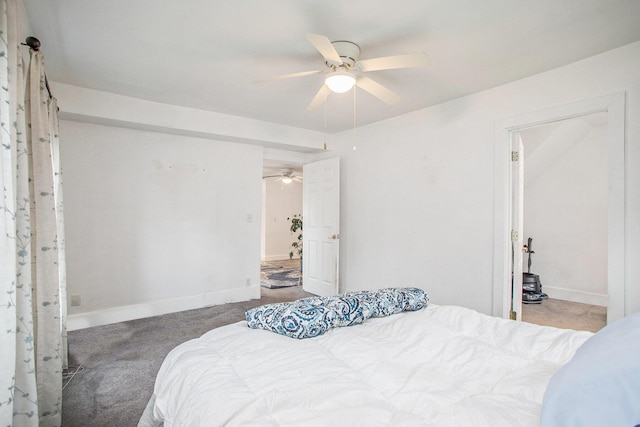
(321, 236)
(517, 221)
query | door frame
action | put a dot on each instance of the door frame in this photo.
(614, 106)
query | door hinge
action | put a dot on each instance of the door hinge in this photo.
(515, 156)
(514, 236)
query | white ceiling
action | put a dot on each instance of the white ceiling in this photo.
(205, 53)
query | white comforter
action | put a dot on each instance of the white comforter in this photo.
(441, 366)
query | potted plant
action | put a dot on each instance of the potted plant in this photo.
(296, 224)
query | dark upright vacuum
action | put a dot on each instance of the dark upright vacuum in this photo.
(531, 285)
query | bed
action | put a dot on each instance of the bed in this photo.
(425, 365)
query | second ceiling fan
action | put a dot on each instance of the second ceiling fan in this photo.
(287, 176)
(344, 70)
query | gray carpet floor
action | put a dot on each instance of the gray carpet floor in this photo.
(121, 360)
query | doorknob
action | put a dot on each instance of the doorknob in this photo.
(334, 237)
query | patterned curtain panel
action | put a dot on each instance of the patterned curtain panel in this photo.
(32, 274)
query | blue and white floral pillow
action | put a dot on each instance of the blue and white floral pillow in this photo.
(313, 316)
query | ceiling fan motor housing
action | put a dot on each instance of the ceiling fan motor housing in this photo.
(349, 53)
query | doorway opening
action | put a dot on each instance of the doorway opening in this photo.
(509, 230)
(564, 224)
(281, 201)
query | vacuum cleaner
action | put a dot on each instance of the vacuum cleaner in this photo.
(531, 284)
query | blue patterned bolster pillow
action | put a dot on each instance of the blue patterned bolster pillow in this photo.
(313, 316)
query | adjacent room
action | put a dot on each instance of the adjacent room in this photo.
(281, 242)
(467, 174)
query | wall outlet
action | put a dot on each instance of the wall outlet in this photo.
(247, 281)
(75, 300)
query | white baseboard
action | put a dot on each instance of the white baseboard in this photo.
(277, 257)
(576, 296)
(156, 308)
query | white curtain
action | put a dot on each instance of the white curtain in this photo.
(32, 275)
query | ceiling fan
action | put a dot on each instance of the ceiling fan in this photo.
(287, 177)
(344, 70)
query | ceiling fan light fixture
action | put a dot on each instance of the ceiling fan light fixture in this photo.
(287, 180)
(340, 81)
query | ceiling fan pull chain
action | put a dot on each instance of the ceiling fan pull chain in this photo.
(354, 110)
(353, 132)
(325, 117)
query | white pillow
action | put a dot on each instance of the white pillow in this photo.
(600, 385)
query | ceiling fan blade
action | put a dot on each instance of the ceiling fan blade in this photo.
(272, 176)
(409, 60)
(325, 47)
(377, 90)
(320, 97)
(287, 76)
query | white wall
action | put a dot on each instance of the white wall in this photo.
(281, 201)
(157, 222)
(417, 194)
(565, 212)
(210, 252)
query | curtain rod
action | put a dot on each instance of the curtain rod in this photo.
(35, 44)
